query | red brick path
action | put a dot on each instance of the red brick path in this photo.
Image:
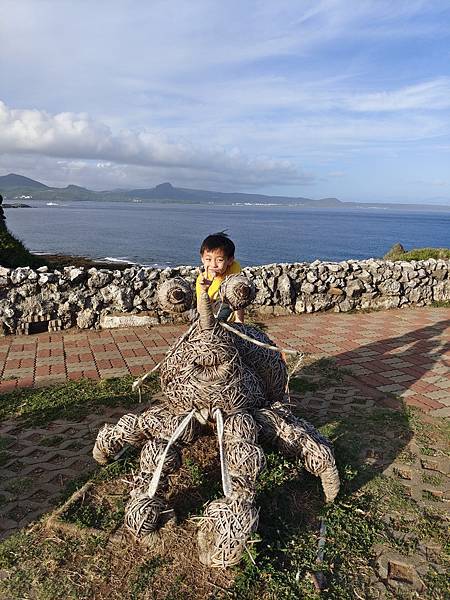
(404, 352)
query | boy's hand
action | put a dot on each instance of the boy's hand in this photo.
(205, 284)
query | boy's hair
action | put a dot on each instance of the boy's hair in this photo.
(216, 241)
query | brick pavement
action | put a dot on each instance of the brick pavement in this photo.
(402, 352)
(37, 464)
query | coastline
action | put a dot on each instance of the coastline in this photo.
(68, 260)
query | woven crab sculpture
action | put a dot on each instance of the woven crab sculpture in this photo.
(230, 377)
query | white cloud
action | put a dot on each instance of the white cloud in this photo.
(77, 136)
(429, 95)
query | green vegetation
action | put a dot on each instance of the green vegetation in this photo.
(314, 374)
(14, 254)
(440, 304)
(105, 517)
(71, 400)
(195, 471)
(4, 454)
(142, 576)
(426, 253)
(397, 252)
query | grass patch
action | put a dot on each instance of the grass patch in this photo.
(302, 385)
(432, 479)
(424, 254)
(105, 516)
(19, 485)
(142, 575)
(440, 304)
(72, 400)
(286, 554)
(195, 471)
(397, 252)
(5, 456)
(51, 440)
(314, 374)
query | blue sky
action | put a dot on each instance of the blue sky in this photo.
(345, 98)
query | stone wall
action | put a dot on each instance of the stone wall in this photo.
(38, 300)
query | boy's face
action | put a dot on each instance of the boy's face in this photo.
(216, 261)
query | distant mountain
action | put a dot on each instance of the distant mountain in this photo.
(17, 187)
(14, 186)
(166, 191)
(19, 181)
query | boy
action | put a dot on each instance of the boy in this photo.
(217, 256)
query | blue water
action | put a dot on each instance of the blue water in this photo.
(171, 234)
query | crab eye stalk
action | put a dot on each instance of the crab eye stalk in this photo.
(238, 291)
(175, 295)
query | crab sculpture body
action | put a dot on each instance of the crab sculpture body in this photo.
(231, 377)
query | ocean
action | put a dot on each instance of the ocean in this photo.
(170, 234)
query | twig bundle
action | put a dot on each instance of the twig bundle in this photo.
(142, 514)
(296, 437)
(224, 530)
(238, 291)
(266, 363)
(240, 426)
(128, 429)
(107, 444)
(212, 373)
(151, 454)
(159, 422)
(206, 371)
(245, 459)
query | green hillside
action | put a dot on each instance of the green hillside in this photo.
(14, 254)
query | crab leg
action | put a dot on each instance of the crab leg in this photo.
(226, 481)
(298, 438)
(174, 437)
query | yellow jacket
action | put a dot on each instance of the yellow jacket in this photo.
(213, 290)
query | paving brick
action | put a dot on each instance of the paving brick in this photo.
(42, 370)
(74, 375)
(127, 352)
(443, 384)
(8, 386)
(393, 373)
(137, 369)
(424, 402)
(393, 387)
(110, 373)
(82, 366)
(73, 359)
(117, 363)
(12, 364)
(439, 395)
(402, 378)
(441, 412)
(49, 381)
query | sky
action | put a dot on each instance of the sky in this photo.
(315, 98)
